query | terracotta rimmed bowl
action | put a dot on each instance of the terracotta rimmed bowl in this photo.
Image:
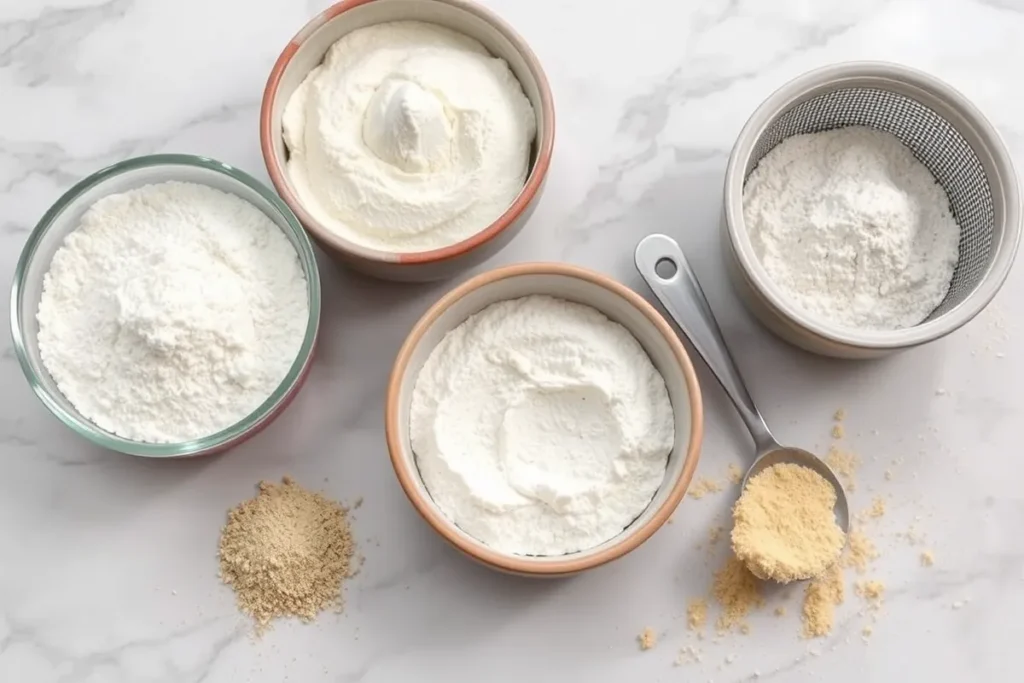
(307, 49)
(620, 304)
(64, 217)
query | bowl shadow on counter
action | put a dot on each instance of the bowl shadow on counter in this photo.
(363, 323)
(351, 299)
(474, 603)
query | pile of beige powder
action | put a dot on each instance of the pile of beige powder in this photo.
(286, 552)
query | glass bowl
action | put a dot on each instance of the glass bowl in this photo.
(63, 218)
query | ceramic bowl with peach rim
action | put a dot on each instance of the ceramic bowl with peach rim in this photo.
(621, 305)
(306, 51)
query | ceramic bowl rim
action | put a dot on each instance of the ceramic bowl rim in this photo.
(534, 180)
(404, 467)
(897, 76)
(242, 429)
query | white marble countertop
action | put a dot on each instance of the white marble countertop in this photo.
(107, 563)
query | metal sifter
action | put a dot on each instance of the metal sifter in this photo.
(945, 132)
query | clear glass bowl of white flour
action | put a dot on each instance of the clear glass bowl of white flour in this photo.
(236, 192)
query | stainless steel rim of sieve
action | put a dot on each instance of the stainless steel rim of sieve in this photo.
(944, 131)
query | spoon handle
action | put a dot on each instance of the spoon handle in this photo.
(680, 293)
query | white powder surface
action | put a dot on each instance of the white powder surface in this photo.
(409, 137)
(172, 312)
(541, 427)
(852, 228)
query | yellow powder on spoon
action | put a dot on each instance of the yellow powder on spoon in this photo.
(784, 528)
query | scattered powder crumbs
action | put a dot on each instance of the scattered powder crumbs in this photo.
(703, 487)
(736, 591)
(735, 474)
(715, 534)
(876, 511)
(780, 611)
(866, 632)
(888, 475)
(837, 431)
(844, 464)
(913, 536)
(927, 558)
(784, 528)
(687, 655)
(871, 591)
(820, 599)
(647, 638)
(860, 551)
(285, 553)
(839, 415)
(697, 614)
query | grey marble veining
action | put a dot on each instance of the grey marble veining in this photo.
(107, 564)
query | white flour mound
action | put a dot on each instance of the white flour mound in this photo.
(852, 228)
(541, 427)
(172, 312)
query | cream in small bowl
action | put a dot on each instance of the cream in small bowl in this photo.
(539, 448)
(409, 137)
(412, 139)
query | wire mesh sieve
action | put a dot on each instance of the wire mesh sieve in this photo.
(935, 143)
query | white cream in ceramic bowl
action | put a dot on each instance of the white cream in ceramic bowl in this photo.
(620, 304)
(307, 50)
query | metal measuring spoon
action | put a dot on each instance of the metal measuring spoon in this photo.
(662, 264)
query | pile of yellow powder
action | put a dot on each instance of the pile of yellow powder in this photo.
(784, 527)
(285, 553)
